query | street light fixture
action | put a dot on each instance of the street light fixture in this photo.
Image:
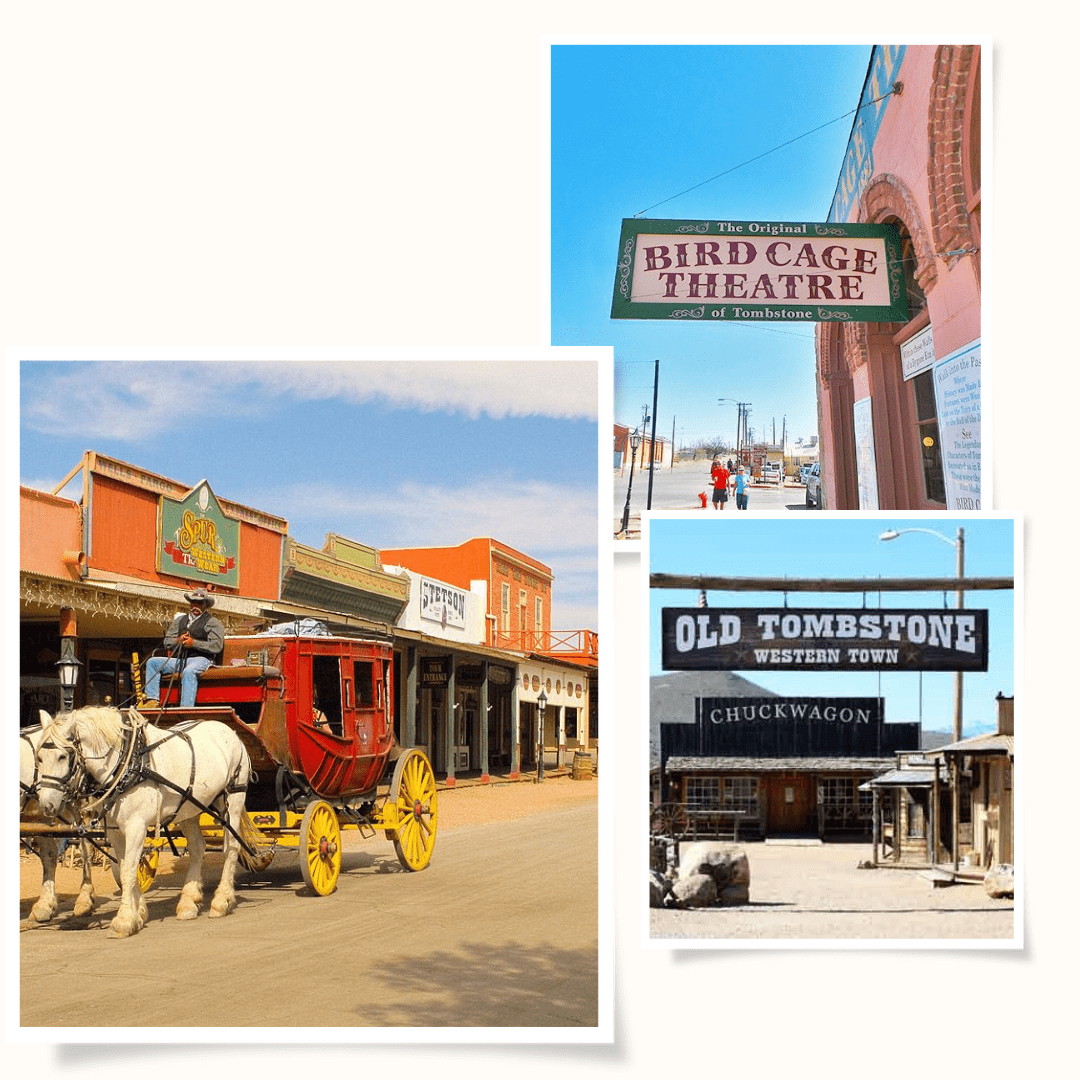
(635, 441)
(541, 705)
(67, 668)
(958, 544)
(958, 700)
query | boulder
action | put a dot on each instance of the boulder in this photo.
(726, 864)
(659, 887)
(694, 891)
(998, 882)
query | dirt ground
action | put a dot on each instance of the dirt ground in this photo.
(818, 892)
(459, 808)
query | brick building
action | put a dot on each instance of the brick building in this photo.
(899, 404)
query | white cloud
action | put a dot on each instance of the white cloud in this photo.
(152, 392)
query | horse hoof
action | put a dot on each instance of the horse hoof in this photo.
(41, 914)
(123, 928)
(221, 908)
(83, 907)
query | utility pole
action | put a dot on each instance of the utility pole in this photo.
(652, 446)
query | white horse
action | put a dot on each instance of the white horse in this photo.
(47, 848)
(143, 777)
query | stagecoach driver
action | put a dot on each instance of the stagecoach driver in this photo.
(194, 642)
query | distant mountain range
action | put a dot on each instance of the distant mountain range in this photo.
(671, 701)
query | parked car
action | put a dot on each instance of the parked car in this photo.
(813, 486)
(774, 474)
(804, 471)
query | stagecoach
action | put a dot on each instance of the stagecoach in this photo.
(314, 713)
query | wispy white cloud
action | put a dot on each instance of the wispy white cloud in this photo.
(132, 401)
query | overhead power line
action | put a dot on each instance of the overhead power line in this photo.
(766, 153)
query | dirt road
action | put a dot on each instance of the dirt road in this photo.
(801, 893)
(501, 930)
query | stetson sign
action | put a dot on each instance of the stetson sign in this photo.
(828, 639)
(762, 271)
(196, 540)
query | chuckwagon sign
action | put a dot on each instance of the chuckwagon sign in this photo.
(762, 271)
(788, 727)
(831, 639)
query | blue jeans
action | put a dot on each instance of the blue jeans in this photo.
(194, 666)
(741, 500)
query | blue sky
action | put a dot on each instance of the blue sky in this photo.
(386, 451)
(850, 548)
(633, 125)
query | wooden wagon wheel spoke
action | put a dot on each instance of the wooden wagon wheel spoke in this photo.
(320, 848)
(413, 794)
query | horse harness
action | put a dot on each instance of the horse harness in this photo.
(134, 766)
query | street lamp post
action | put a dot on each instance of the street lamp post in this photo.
(634, 439)
(67, 668)
(958, 688)
(541, 705)
(958, 544)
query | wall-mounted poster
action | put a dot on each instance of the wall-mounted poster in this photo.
(865, 459)
(958, 389)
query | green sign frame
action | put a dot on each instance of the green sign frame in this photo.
(197, 541)
(758, 271)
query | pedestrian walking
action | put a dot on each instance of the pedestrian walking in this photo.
(720, 478)
(742, 488)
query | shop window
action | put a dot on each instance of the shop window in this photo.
(926, 427)
(922, 385)
(741, 793)
(702, 793)
(837, 798)
(506, 608)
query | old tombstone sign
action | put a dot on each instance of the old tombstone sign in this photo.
(761, 271)
(823, 639)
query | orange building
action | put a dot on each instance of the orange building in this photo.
(102, 576)
(518, 587)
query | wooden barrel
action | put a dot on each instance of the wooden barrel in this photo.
(582, 767)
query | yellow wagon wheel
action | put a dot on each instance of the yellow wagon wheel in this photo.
(413, 794)
(320, 848)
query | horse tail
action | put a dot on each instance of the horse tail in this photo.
(260, 844)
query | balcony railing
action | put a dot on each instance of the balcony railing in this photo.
(558, 643)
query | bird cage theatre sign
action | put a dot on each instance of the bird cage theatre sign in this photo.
(826, 639)
(764, 271)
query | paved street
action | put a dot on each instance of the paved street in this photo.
(677, 487)
(501, 930)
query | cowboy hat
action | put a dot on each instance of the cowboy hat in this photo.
(200, 597)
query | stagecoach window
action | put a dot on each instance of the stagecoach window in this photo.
(326, 687)
(364, 677)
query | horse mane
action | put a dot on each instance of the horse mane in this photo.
(99, 726)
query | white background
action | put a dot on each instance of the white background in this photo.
(335, 173)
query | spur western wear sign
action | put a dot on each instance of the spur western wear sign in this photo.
(758, 271)
(828, 639)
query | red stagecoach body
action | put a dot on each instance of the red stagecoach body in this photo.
(319, 707)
